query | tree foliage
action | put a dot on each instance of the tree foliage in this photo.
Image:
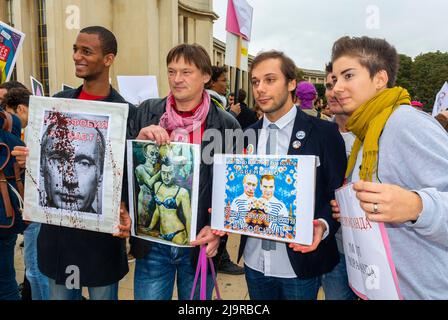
(320, 88)
(424, 77)
(300, 75)
(405, 73)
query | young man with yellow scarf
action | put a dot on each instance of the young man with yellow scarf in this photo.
(398, 162)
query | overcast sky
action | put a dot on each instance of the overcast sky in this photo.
(307, 29)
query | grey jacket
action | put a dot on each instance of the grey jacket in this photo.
(413, 153)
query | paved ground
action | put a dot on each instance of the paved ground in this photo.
(232, 287)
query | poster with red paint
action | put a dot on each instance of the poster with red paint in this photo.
(75, 166)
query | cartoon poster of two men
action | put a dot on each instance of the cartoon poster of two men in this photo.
(264, 197)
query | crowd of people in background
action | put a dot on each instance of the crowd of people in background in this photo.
(363, 119)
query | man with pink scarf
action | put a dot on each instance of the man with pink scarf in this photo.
(185, 115)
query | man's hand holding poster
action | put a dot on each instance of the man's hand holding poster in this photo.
(370, 268)
(75, 163)
(270, 197)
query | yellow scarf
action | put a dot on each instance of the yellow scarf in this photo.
(367, 123)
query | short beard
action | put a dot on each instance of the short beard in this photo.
(90, 77)
(279, 105)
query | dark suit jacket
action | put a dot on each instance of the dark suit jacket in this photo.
(323, 140)
(247, 117)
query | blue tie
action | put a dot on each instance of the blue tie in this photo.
(269, 245)
(272, 131)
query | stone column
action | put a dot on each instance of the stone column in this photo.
(65, 18)
(4, 16)
(191, 31)
(181, 28)
(204, 34)
(25, 20)
(168, 24)
(136, 26)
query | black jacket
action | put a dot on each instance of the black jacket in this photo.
(149, 113)
(100, 257)
(14, 224)
(247, 117)
(323, 140)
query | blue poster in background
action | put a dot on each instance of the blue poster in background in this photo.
(11, 41)
(261, 196)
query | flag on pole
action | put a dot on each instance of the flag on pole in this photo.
(232, 52)
(239, 18)
(239, 29)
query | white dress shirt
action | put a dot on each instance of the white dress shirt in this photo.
(274, 263)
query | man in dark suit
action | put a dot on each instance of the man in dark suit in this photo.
(275, 270)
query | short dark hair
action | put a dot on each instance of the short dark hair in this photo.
(167, 162)
(329, 68)
(242, 95)
(16, 97)
(11, 85)
(267, 177)
(192, 54)
(288, 66)
(373, 53)
(108, 41)
(218, 72)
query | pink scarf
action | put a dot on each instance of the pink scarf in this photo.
(171, 120)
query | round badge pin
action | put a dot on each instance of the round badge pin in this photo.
(250, 149)
(296, 145)
(301, 135)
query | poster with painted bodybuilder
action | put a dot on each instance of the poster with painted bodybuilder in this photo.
(270, 197)
(75, 164)
(163, 191)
